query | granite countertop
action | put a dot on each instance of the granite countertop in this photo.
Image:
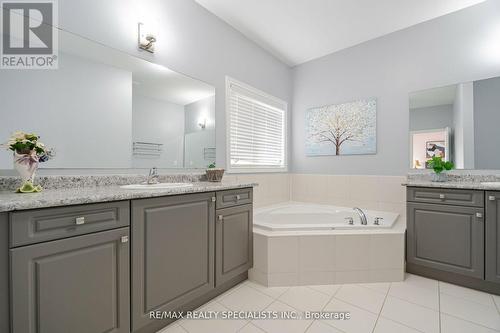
(466, 185)
(10, 201)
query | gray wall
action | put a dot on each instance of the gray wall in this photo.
(158, 121)
(190, 40)
(62, 107)
(486, 121)
(204, 108)
(463, 123)
(451, 49)
(432, 117)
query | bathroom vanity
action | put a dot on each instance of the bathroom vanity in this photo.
(119, 265)
(453, 233)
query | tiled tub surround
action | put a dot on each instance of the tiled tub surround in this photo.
(332, 257)
(340, 256)
(383, 193)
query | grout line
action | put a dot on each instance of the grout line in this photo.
(469, 300)
(263, 293)
(324, 307)
(381, 308)
(472, 322)
(402, 324)
(496, 306)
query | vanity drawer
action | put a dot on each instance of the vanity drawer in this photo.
(40, 225)
(233, 198)
(446, 196)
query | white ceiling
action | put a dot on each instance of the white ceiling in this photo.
(297, 31)
(433, 97)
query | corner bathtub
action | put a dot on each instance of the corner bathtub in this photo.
(306, 244)
(294, 216)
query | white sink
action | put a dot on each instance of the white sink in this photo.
(159, 186)
(491, 183)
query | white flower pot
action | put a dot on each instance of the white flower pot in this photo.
(26, 165)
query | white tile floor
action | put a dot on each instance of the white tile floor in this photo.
(416, 305)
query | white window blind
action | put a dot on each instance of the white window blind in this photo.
(256, 129)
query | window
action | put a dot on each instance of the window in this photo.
(256, 129)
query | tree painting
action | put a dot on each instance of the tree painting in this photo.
(342, 129)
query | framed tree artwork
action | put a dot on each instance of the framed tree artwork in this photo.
(342, 129)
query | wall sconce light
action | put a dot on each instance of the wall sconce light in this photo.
(146, 38)
(202, 123)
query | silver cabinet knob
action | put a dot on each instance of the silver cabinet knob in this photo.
(124, 239)
(492, 198)
(238, 197)
(442, 196)
(479, 215)
(220, 218)
(80, 220)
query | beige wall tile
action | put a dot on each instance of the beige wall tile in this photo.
(386, 251)
(364, 188)
(338, 188)
(316, 278)
(351, 252)
(283, 254)
(283, 280)
(260, 252)
(391, 189)
(316, 253)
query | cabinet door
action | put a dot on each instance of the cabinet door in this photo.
(493, 236)
(172, 253)
(448, 238)
(234, 238)
(77, 285)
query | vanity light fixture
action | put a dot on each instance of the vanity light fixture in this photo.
(203, 123)
(146, 38)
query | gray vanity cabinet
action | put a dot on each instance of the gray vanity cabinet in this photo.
(446, 237)
(234, 242)
(173, 242)
(77, 285)
(492, 236)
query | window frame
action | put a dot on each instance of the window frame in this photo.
(265, 169)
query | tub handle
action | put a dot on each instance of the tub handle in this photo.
(377, 220)
(349, 220)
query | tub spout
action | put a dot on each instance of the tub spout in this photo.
(362, 215)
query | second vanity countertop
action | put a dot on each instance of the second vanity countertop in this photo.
(10, 201)
(453, 185)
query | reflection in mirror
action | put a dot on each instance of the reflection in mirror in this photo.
(457, 122)
(107, 109)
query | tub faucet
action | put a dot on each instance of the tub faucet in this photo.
(362, 215)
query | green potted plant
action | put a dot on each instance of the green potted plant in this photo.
(439, 166)
(214, 174)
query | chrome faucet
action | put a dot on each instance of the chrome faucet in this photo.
(362, 215)
(153, 176)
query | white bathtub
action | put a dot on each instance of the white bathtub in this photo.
(295, 216)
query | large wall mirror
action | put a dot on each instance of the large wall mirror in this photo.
(457, 122)
(107, 109)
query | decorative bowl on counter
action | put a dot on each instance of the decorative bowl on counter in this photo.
(215, 174)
